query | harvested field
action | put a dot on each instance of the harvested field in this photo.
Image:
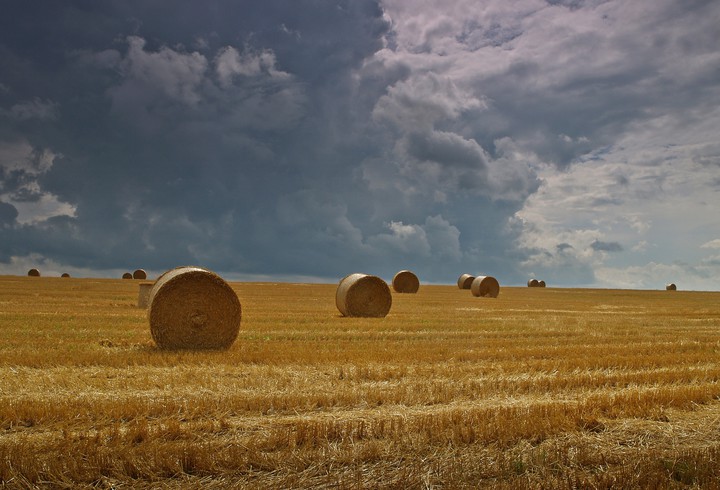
(539, 388)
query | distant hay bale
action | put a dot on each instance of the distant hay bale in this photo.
(406, 282)
(671, 287)
(541, 284)
(193, 308)
(144, 294)
(533, 283)
(486, 286)
(363, 295)
(465, 281)
(139, 274)
(65, 274)
(34, 273)
(127, 275)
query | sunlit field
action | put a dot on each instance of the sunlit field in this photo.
(538, 388)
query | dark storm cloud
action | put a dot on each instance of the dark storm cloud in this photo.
(317, 138)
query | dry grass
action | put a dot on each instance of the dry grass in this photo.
(539, 388)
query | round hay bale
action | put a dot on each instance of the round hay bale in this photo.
(363, 295)
(541, 284)
(127, 275)
(144, 294)
(465, 281)
(65, 274)
(533, 283)
(486, 286)
(406, 282)
(670, 287)
(139, 274)
(34, 273)
(193, 308)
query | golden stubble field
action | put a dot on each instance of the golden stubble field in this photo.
(539, 388)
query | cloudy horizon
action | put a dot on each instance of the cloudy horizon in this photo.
(574, 141)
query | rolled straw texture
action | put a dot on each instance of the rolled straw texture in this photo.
(193, 308)
(406, 282)
(533, 283)
(465, 281)
(139, 274)
(486, 286)
(541, 284)
(127, 275)
(363, 295)
(144, 294)
(671, 287)
(65, 274)
(34, 273)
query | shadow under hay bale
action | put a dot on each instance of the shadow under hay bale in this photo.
(144, 294)
(465, 281)
(363, 295)
(670, 287)
(406, 282)
(193, 308)
(533, 283)
(485, 286)
(33, 273)
(65, 274)
(139, 274)
(127, 275)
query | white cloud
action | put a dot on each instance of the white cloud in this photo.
(230, 63)
(711, 244)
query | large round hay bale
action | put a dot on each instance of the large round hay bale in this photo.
(139, 274)
(363, 295)
(34, 273)
(193, 308)
(533, 283)
(127, 275)
(144, 294)
(65, 274)
(406, 282)
(541, 284)
(671, 287)
(465, 281)
(486, 286)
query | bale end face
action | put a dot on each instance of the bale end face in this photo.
(541, 284)
(533, 283)
(670, 287)
(405, 282)
(193, 308)
(465, 281)
(33, 273)
(127, 275)
(139, 274)
(65, 274)
(485, 286)
(363, 295)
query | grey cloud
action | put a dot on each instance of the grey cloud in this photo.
(600, 246)
(8, 214)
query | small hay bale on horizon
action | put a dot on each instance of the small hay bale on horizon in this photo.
(33, 273)
(541, 284)
(144, 294)
(406, 282)
(533, 283)
(65, 274)
(485, 286)
(363, 295)
(465, 281)
(193, 308)
(127, 275)
(670, 287)
(139, 274)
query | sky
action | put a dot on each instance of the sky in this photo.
(574, 141)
